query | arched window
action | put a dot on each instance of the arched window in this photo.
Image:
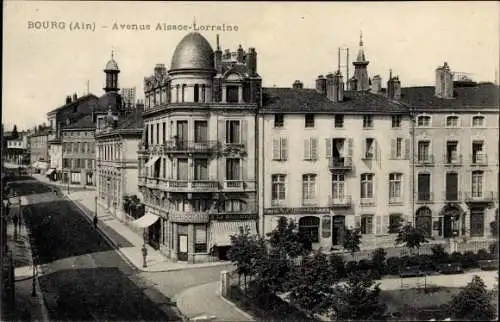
(424, 221)
(478, 121)
(452, 121)
(309, 226)
(424, 121)
(196, 93)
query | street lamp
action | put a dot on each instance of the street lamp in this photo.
(95, 212)
(144, 249)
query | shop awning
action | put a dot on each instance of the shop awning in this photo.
(50, 171)
(152, 161)
(223, 230)
(145, 221)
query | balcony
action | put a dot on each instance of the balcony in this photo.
(233, 148)
(178, 146)
(478, 160)
(234, 185)
(340, 201)
(396, 200)
(481, 197)
(340, 164)
(452, 160)
(191, 185)
(367, 201)
(424, 197)
(452, 196)
(425, 160)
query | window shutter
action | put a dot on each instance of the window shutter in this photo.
(314, 149)
(378, 224)
(349, 147)
(284, 149)
(407, 149)
(385, 224)
(393, 149)
(222, 130)
(244, 132)
(276, 149)
(357, 221)
(307, 149)
(328, 148)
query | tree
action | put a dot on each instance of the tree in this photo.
(272, 271)
(474, 302)
(310, 284)
(352, 240)
(287, 236)
(411, 237)
(245, 252)
(357, 299)
(378, 261)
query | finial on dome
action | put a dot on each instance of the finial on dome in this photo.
(112, 54)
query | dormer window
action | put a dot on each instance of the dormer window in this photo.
(478, 121)
(423, 121)
(452, 121)
(232, 94)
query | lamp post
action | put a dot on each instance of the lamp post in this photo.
(144, 249)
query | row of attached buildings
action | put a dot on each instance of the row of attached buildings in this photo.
(211, 151)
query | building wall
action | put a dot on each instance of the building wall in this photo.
(78, 155)
(55, 153)
(39, 148)
(295, 166)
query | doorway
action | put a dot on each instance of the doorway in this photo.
(447, 226)
(154, 235)
(338, 229)
(182, 243)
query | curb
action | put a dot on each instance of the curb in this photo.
(235, 307)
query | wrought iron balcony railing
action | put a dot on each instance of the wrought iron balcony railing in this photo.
(367, 201)
(184, 146)
(424, 159)
(479, 159)
(480, 196)
(191, 185)
(452, 196)
(424, 197)
(234, 185)
(453, 160)
(340, 163)
(340, 201)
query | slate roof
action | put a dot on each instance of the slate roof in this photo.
(113, 100)
(83, 123)
(295, 100)
(482, 95)
(87, 99)
(133, 120)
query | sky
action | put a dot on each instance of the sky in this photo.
(293, 40)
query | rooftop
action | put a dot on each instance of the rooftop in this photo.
(81, 100)
(193, 52)
(304, 100)
(83, 123)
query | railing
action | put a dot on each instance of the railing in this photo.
(424, 197)
(177, 145)
(451, 160)
(340, 201)
(193, 185)
(452, 196)
(396, 200)
(234, 184)
(425, 159)
(367, 201)
(479, 159)
(340, 163)
(486, 196)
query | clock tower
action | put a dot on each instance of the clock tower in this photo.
(111, 72)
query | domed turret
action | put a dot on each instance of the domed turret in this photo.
(111, 70)
(193, 52)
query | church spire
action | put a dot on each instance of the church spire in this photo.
(361, 52)
(360, 68)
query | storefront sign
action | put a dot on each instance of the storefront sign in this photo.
(229, 216)
(298, 210)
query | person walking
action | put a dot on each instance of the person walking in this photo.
(95, 222)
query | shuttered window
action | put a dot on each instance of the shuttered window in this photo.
(280, 149)
(310, 149)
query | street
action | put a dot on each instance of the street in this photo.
(83, 278)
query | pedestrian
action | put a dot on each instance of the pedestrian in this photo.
(95, 222)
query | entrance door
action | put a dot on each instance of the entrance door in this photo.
(338, 230)
(424, 221)
(447, 226)
(154, 234)
(182, 242)
(477, 222)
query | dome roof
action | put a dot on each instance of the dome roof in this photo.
(112, 65)
(193, 52)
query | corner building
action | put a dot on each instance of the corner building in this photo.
(197, 157)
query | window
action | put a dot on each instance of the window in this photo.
(164, 132)
(396, 121)
(310, 149)
(451, 186)
(234, 205)
(183, 92)
(278, 187)
(203, 93)
(397, 148)
(423, 121)
(452, 152)
(423, 153)
(200, 169)
(367, 224)
(339, 121)
(280, 149)
(395, 183)
(177, 93)
(200, 238)
(309, 227)
(309, 120)
(233, 131)
(232, 94)
(279, 120)
(478, 121)
(182, 169)
(395, 221)
(367, 186)
(452, 121)
(308, 189)
(369, 148)
(477, 184)
(233, 169)
(478, 155)
(196, 93)
(367, 121)
(157, 133)
(151, 134)
(338, 186)
(200, 131)
(423, 187)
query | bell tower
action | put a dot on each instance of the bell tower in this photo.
(111, 70)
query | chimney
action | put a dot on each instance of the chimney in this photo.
(335, 87)
(160, 69)
(353, 84)
(251, 62)
(444, 82)
(218, 58)
(298, 84)
(339, 82)
(321, 84)
(376, 84)
(75, 97)
(240, 54)
(394, 88)
(68, 99)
